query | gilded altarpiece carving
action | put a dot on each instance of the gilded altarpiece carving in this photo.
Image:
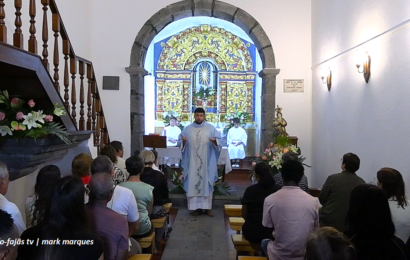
(234, 74)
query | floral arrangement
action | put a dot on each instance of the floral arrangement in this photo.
(273, 155)
(18, 119)
(220, 188)
(176, 179)
(242, 116)
(204, 92)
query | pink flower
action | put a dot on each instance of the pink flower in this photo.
(257, 155)
(267, 151)
(264, 157)
(19, 115)
(2, 116)
(253, 163)
(48, 118)
(16, 102)
(31, 103)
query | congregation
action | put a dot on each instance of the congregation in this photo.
(108, 204)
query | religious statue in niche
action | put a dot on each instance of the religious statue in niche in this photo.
(279, 124)
(204, 82)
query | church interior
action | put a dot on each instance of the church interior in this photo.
(122, 69)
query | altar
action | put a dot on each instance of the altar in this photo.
(173, 155)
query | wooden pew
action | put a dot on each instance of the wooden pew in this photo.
(236, 224)
(252, 258)
(167, 206)
(314, 192)
(140, 257)
(148, 242)
(241, 244)
(233, 210)
(159, 222)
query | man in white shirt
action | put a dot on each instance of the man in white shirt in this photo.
(119, 148)
(172, 132)
(236, 139)
(123, 200)
(5, 204)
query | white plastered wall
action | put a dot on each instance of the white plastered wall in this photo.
(371, 119)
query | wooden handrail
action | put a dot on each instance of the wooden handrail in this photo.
(76, 73)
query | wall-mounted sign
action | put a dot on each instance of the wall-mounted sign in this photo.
(293, 85)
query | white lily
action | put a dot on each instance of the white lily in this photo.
(30, 121)
(5, 130)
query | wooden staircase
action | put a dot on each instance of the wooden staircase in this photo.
(27, 74)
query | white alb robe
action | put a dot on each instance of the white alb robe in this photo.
(199, 161)
(236, 135)
(172, 132)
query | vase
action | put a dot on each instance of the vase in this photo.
(22, 156)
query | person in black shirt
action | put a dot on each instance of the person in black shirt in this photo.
(370, 227)
(161, 193)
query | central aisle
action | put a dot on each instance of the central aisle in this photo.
(199, 238)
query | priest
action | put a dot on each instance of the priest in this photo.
(200, 153)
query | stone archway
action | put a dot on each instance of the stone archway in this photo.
(209, 8)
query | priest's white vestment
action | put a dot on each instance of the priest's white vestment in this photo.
(199, 163)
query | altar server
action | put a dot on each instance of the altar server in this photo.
(237, 139)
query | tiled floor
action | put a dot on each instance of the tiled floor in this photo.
(203, 237)
(199, 238)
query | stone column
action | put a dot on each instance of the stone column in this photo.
(137, 108)
(268, 76)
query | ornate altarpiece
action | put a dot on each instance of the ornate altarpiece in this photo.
(205, 56)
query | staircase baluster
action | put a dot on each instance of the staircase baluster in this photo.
(98, 128)
(56, 58)
(81, 72)
(89, 99)
(102, 130)
(32, 42)
(94, 108)
(66, 52)
(45, 4)
(3, 27)
(73, 71)
(18, 35)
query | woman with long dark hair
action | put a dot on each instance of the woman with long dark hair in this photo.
(63, 232)
(370, 226)
(36, 203)
(391, 182)
(252, 205)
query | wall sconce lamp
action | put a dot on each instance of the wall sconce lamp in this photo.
(327, 73)
(363, 65)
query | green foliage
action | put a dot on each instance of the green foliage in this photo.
(282, 141)
(221, 189)
(176, 180)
